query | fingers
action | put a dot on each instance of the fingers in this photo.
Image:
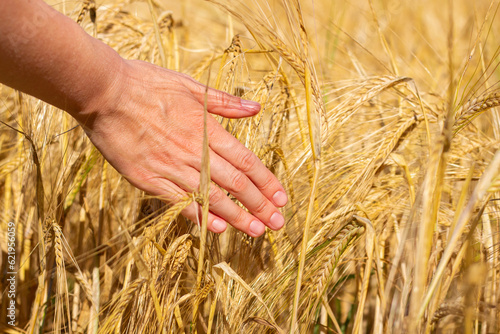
(171, 182)
(232, 150)
(171, 193)
(223, 207)
(241, 187)
(245, 161)
(214, 223)
(223, 210)
(221, 103)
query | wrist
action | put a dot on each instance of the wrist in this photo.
(103, 92)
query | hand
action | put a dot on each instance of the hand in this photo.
(149, 126)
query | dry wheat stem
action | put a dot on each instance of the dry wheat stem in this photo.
(477, 196)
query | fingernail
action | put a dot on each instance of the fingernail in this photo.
(277, 221)
(257, 228)
(219, 226)
(280, 198)
(250, 105)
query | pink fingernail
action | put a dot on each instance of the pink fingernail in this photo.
(280, 198)
(251, 106)
(277, 221)
(257, 228)
(219, 226)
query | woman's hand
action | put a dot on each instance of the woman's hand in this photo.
(147, 121)
(149, 126)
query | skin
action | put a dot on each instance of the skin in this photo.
(147, 121)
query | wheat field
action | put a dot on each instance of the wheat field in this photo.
(381, 119)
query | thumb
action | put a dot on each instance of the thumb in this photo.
(222, 103)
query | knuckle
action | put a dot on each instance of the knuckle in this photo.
(223, 99)
(215, 197)
(212, 127)
(247, 161)
(269, 181)
(239, 219)
(261, 206)
(238, 182)
(197, 128)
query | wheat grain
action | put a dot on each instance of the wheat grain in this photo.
(88, 6)
(474, 108)
(332, 256)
